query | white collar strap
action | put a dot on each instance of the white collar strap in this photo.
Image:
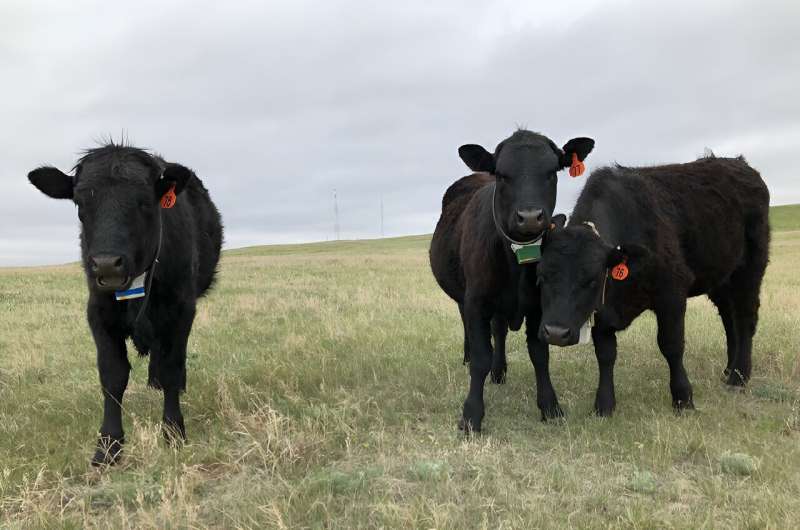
(593, 227)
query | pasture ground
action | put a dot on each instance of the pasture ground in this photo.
(325, 382)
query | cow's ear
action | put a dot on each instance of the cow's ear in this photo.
(52, 182)
(173, 175)
(615, 256)
(631, 255)
(580, 147)
(477, 158)
(635, 252)
(558, 221)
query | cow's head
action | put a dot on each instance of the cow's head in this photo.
(575, 269)
(117, 190)
(525, 166)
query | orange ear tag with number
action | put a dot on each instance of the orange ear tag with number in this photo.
(169, 198)
(620, 271)
(577, 168)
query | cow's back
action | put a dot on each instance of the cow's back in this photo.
(701, 217)
(719, 208)
(445, 246)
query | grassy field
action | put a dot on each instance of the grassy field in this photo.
(785, 217)
(325, 382)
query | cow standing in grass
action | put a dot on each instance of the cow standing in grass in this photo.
(510, 199)
(649, 238)
(150, 244)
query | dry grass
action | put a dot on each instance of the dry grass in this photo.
(324, 386)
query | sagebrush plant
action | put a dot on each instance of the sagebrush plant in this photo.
(325, 383)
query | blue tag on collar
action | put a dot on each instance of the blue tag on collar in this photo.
(136, 290)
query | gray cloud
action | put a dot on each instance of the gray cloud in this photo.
(275, 105)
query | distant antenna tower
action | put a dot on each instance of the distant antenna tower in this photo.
(335, 216)
(381, 214)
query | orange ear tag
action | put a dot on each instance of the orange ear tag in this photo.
(620, 271)
(577, 168)
(169, 198)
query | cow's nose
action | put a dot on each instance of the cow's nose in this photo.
(556, 335)
(107, 267)
(530, 221)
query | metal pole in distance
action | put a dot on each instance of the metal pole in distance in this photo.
(382, 233)
(336, 229)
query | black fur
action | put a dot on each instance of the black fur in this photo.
(117, 189)
(473, 263)
(682, 230)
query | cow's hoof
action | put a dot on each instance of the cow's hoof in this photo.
(682, 405)
(604, 406)
(468, 426)
(499, 377)
(108, 451)
(604, 411)
(471, 416)
(552, 412)
(173, 430)
(735, 379)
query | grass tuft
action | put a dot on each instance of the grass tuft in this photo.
(738, 464)
(643, 482)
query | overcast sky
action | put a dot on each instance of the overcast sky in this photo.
(275, 104)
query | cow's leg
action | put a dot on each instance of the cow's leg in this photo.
(466, 336)
(723, 299)
(477, 320)
(114, 368)
(605, 349)
(499, 362)
(746, 297)
(539, 352)
(167, 369)
(746, 302)
(670, 317)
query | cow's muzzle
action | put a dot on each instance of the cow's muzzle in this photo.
(558, 335)
(109, 271)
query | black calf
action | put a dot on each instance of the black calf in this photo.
(150, 243)
(648, 238)
(511, 198)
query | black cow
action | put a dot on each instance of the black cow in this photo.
(510, 201)
(150, 243)
(649, 238)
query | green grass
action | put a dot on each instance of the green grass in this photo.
(324, 387)
(785, 217)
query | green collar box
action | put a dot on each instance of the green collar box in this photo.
(528, 253)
